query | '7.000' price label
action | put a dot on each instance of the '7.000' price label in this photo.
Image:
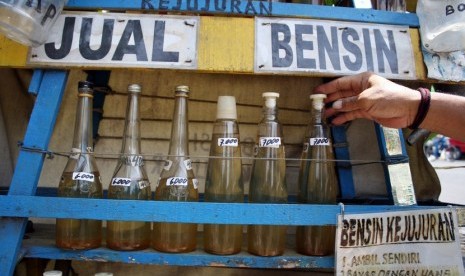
(270, 142)
(321, 141)
(228, 142)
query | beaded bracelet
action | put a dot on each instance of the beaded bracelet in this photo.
(422, 108)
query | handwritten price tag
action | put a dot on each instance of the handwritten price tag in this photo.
(119, 181)
(319, 141)
(176, 181)
(83, 176)
(228, 142)
(270, 142)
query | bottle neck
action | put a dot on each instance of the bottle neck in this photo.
(131, 135)
(83, 125)
(317, 116)
(179, 135)
(270, 114)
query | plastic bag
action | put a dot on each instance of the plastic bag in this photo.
(442, 25)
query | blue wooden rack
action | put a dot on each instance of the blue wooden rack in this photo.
(21, 201)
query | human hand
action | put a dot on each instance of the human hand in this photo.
(370, 96)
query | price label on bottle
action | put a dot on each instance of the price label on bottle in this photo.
(270, 142)
(195, 181)
(121, 181)
(188, 164)
(319, 141)
(228, 142)
(143, 184)
(168, 164)
(134, 160)
(305, 147)
(176, 181)
(75, 153)
(83, 176)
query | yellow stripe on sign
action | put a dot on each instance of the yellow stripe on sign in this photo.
(226, 44)
(12, 54)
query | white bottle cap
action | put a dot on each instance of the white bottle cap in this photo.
(317, 101)
(226, 108)
(52, 273)
(134, 88)
(270, 99)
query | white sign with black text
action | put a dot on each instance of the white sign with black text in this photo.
(332, 47)
(120, 40)
(407, 243)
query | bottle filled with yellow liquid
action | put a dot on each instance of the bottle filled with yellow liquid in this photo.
(130, 181)
(177, 183)
(268, 180)
(81, 178)
(317, 181)
(224, 178)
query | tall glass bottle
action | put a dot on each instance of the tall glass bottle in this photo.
(177, 183)
(317, 181)
(268, 183)
(130, 181)
(81, 178)
(224, 178)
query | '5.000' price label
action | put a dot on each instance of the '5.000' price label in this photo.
(322, 141)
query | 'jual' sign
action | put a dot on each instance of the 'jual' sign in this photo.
(120, 40)
(329, 47)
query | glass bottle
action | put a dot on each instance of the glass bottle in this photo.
(224, 178)
(268, 183)
(177, 183)
(130, 181)
(317, 181)
(81, 178)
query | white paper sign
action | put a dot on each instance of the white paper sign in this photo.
(120, 40)
(419, 242)
(332, 47)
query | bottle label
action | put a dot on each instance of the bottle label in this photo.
(270, 142)
(321, 141)
(195, 181)
(176, 181)
(305, 147)
(168, 164)
(83, 176)
(75, 153)
(120, 181)
(228, 142)
(134, 160)
(188, 164)
(143, 184)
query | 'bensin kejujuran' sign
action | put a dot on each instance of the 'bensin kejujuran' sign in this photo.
(120, 40)
(330, 47)
(406, 243)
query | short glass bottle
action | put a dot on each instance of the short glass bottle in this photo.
(317, 181)
(224, 178)
(130, 181)
(81, 178)
(177, 183)
(268, 180)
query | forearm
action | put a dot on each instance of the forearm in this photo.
(446, 115)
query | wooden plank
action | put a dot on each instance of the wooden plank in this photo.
(254, 8)
(186, 212)
(224, 44)
(418, 55)
(12, 54)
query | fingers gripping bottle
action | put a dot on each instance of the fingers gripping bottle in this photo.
(317, 181)
(81, 178)
(224, 178)
(268, 184)
(130, 181)
(177, 183)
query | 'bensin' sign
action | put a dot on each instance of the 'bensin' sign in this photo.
(407, 243)
(339, 48)
(120, 40)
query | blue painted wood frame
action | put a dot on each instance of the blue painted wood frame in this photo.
(29, 164)
(344, 168)
(253, 8)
